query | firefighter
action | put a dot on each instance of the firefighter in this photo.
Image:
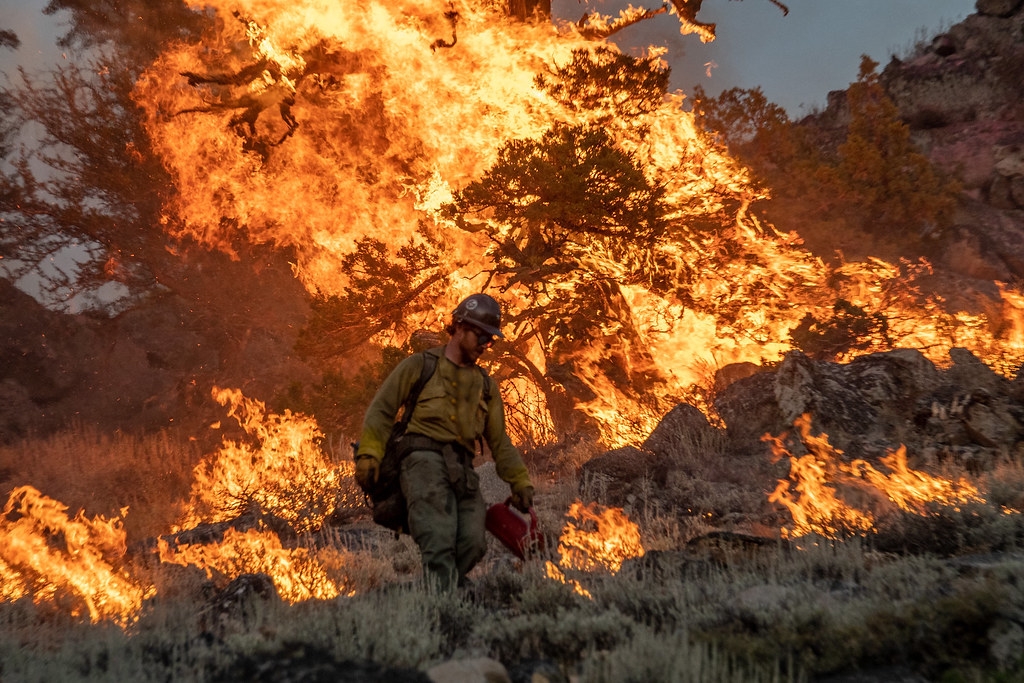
(458, 406)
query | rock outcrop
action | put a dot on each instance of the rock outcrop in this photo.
(876, 403)
(964, 414)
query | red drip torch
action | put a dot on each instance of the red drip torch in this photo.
(517, 531)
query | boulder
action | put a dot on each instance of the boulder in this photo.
(749, 409)
(624, 464)
(630, 469)
(878, 402)
(683, 426)
(732, 372)
(477, 670)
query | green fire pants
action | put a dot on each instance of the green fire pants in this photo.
(446, 515)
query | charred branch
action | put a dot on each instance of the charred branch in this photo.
(244, 75)
(687, 11)
(453, 19)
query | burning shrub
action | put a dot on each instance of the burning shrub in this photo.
(71, 562)
(825, 485)
(297, 573)
(598, 537)
(284, 474)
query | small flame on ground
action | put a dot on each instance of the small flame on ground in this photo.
(297, 573)
(910, 489)
(595, 538)
(811, 492)
(552, 571)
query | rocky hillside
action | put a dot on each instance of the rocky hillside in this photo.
(961, 96)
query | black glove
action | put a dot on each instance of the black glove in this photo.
(367, 470)
(523, 500)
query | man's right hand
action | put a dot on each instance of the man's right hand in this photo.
(367, 470)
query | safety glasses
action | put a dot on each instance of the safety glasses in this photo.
(482, 338)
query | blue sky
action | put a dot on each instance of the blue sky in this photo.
(795, 59)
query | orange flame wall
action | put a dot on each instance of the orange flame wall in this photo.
(312, 124)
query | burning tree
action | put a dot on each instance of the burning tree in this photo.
(397, 169)
(563, 208)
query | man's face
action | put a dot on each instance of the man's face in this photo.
(474, 341)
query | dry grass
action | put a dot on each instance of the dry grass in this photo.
(683, 612)
(101, 473)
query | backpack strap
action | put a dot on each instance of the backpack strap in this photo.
(409, 405)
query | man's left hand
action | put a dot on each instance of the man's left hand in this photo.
(523, 500)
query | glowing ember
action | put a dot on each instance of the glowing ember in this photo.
(810, 493)
(72, 562)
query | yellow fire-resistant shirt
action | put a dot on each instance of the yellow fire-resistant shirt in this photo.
(450, 408)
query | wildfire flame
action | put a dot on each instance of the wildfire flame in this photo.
(810, 494)
(297, 573)
(71, 562)
(313, 126)
(598, 537)
(595, 537)
(910, 489)
(284, 473)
